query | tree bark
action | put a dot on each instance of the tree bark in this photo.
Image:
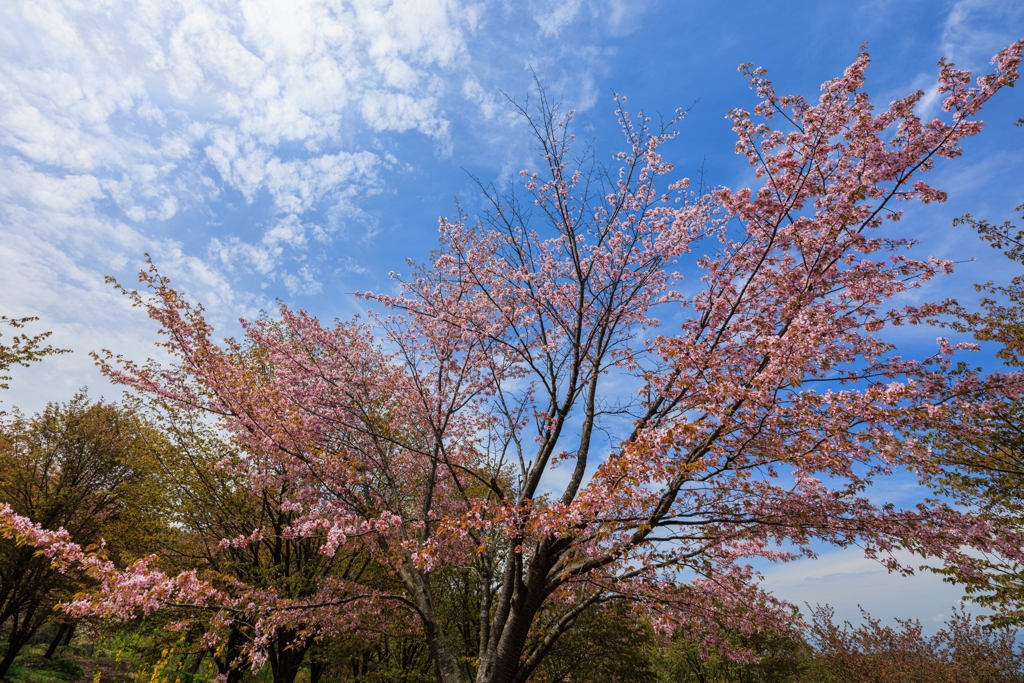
(286, 655)
(50, 651)
(316, 670)
(14, 645)
(22, 630)
(194, 669)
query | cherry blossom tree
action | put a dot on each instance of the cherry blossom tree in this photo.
(519, 413)
(963, 651)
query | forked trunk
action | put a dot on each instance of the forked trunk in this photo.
(316, 670)
(286, 655)
(22, 630)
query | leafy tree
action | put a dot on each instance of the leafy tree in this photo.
(611, 644)
(234, 528)
(79, 466)
(774, 657)
(22, 349)
(1001, 319)
(981, 446)
(370, 657)
(471, 439)
(824, 651)
(962, 652)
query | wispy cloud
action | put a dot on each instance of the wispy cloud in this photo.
(847, 581)
(973, 27)
(117, 118)
(155, 105)
(234, 137)
(557, 16)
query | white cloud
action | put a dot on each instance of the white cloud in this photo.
(846, 580)
(135, 92)
(116, 116)
(558, 17)
(164, 126)
(974, 29)
(54, 256)
(384, 110)
(486, 101)
(616, 16)
(303, 281)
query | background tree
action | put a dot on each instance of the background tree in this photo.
(373, 657)
(234, 526)
(22, 349)
(981, 446)
(610, 644)
(962, 652)
(775, 657)
(81, 466)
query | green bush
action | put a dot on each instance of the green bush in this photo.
(62, 668)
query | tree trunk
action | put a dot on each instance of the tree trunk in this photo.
(21, 631)
(505, 652)
(316, 670)
(50, 651)
(194, 669)
(5, 663)
(446, 666)
(286, 654)
(14, 644)
(69, 634)
(229, 673)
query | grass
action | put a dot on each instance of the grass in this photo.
(32, 667)
(69, 665)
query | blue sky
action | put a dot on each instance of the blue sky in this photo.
(301, 150)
